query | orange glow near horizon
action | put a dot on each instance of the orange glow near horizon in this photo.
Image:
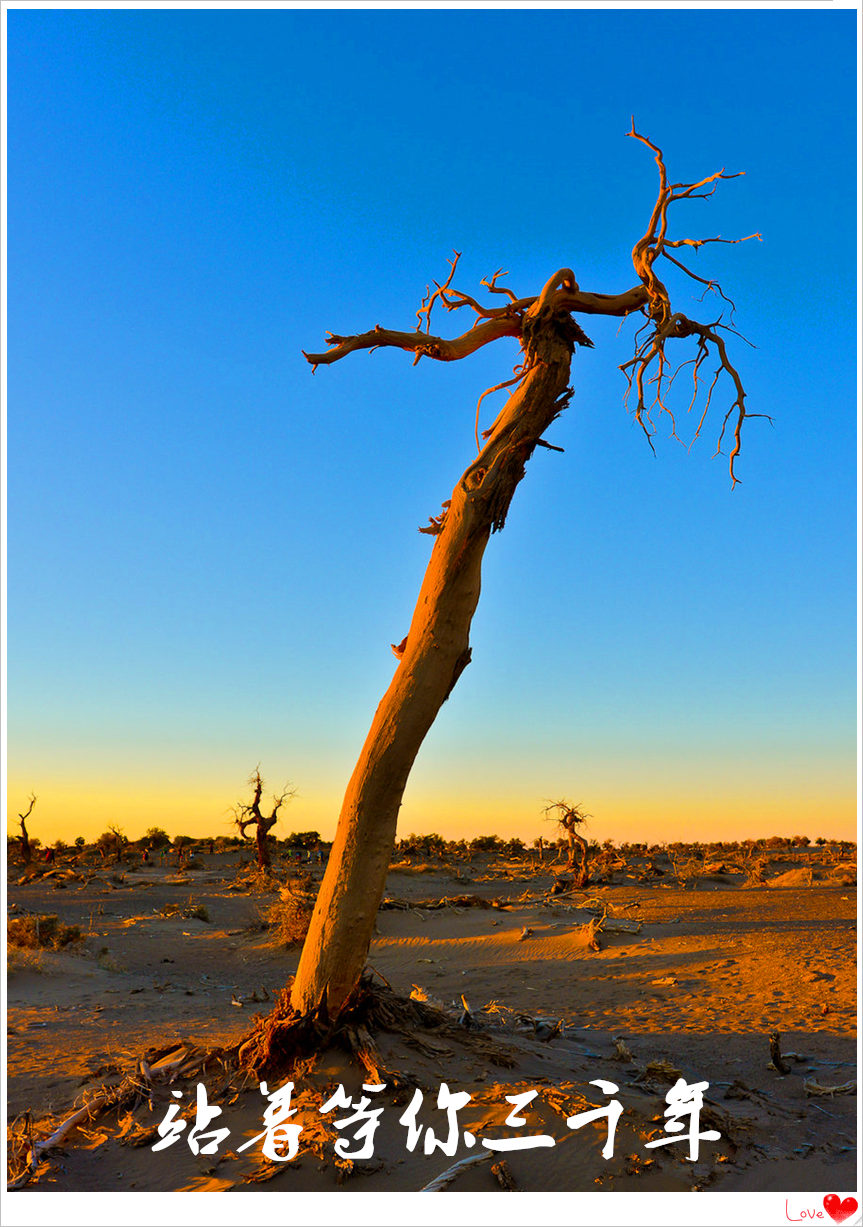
(66, 810)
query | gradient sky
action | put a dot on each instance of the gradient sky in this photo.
(210, 550)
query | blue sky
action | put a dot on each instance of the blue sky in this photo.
(210, 549)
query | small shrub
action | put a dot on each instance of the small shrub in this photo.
(252, 880)
(40, 932)
(19, 959)
(288, 919)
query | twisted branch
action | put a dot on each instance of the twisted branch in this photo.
(519, 373)
(491, 323)
(250, 814)
(422, 344)
(650, 372)
(650, 364)
(493, 288)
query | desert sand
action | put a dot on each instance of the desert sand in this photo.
(645, 977)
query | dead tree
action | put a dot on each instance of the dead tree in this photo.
(571, 817)
(250, 815)
(24, 838)
(120, 841)
(436, 648)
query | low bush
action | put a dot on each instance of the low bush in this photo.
(288, 918)
(40, 932)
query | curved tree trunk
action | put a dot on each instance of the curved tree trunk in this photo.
(26, 850)
(435, 652)
(262, 844)
(579, 842)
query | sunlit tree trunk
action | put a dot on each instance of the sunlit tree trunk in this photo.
(433, 656)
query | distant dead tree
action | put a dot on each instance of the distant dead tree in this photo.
(250, 814)
(120, 842)
(571, 817)
(24, 838)
(436, 650)
(112, 843)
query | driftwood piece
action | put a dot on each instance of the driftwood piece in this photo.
(613, 925)
(811, 1087)
(393, 904)
(448, 1176)
(38, 1149)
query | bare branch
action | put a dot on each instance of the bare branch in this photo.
(571, 817)
(429, 301)
(701, 242)
(419, 343)
(567, 814)
(493, 323)
(520, 372)
(649, 362)
(33, 799)
(649, 368)
(711, 285)
(493, 288)
(242, 823)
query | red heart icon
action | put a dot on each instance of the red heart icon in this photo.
(837, 1210)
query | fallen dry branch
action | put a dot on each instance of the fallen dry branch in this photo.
(252, 879)
(158, 1065)
(447, 1177)
(39, 1148)
(393, 904)
(811, 1087)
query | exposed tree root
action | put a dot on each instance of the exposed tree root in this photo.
(285, 1037)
